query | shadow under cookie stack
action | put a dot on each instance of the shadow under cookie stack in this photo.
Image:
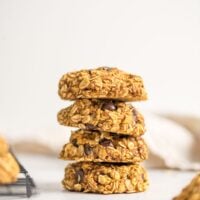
(107, 146)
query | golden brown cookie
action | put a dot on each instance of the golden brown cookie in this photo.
(102, 83)
(3, 146)
(105, 178)
(9, 169)
(99, 146)
(103, 115)
(192, 191)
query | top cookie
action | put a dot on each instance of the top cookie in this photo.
(102, 83)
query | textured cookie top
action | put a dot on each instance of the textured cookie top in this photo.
(3, 146)
(9, 169)
(99, 146)
(104, 115)
(192, 191)
(105, 178)
(102, 83)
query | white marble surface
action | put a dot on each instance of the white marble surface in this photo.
(48, 172)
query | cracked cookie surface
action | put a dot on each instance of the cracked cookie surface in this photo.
(192, 191)
(9, 169)
(102, 83)
(103, 115)
(105, 178)
(99, 146)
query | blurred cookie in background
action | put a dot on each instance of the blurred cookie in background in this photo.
(191, 191)
(9, 168)
(3, 146)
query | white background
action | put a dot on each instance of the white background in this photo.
(42, 39)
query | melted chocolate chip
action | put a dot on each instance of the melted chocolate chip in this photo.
(106, 142)
(109, 105)
(90, 127)
(74, 142)
(87, 149)
(90, 71)
(79, 176)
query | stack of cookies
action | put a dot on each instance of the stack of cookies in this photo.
(108, 144)
(9, 168)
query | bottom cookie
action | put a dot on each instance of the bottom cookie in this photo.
(9, 169)
(192, 191)
(105, 178)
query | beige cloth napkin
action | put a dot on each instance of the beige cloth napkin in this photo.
(173, 141)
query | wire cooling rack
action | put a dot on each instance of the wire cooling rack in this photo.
(24, 186)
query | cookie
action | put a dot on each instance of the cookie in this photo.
(99, 146)
(9, 169)
(3, 146)
(102, 83)
(192, 191)
(105, 178)
(103, 115)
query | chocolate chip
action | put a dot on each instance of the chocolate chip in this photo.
(79, 176)
(90, 127)
(87, 149)
(106, 68)
(109, 105)
(106, 142)
(74, 142)
(90, 71)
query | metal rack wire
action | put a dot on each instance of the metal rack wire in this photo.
(24, 186)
